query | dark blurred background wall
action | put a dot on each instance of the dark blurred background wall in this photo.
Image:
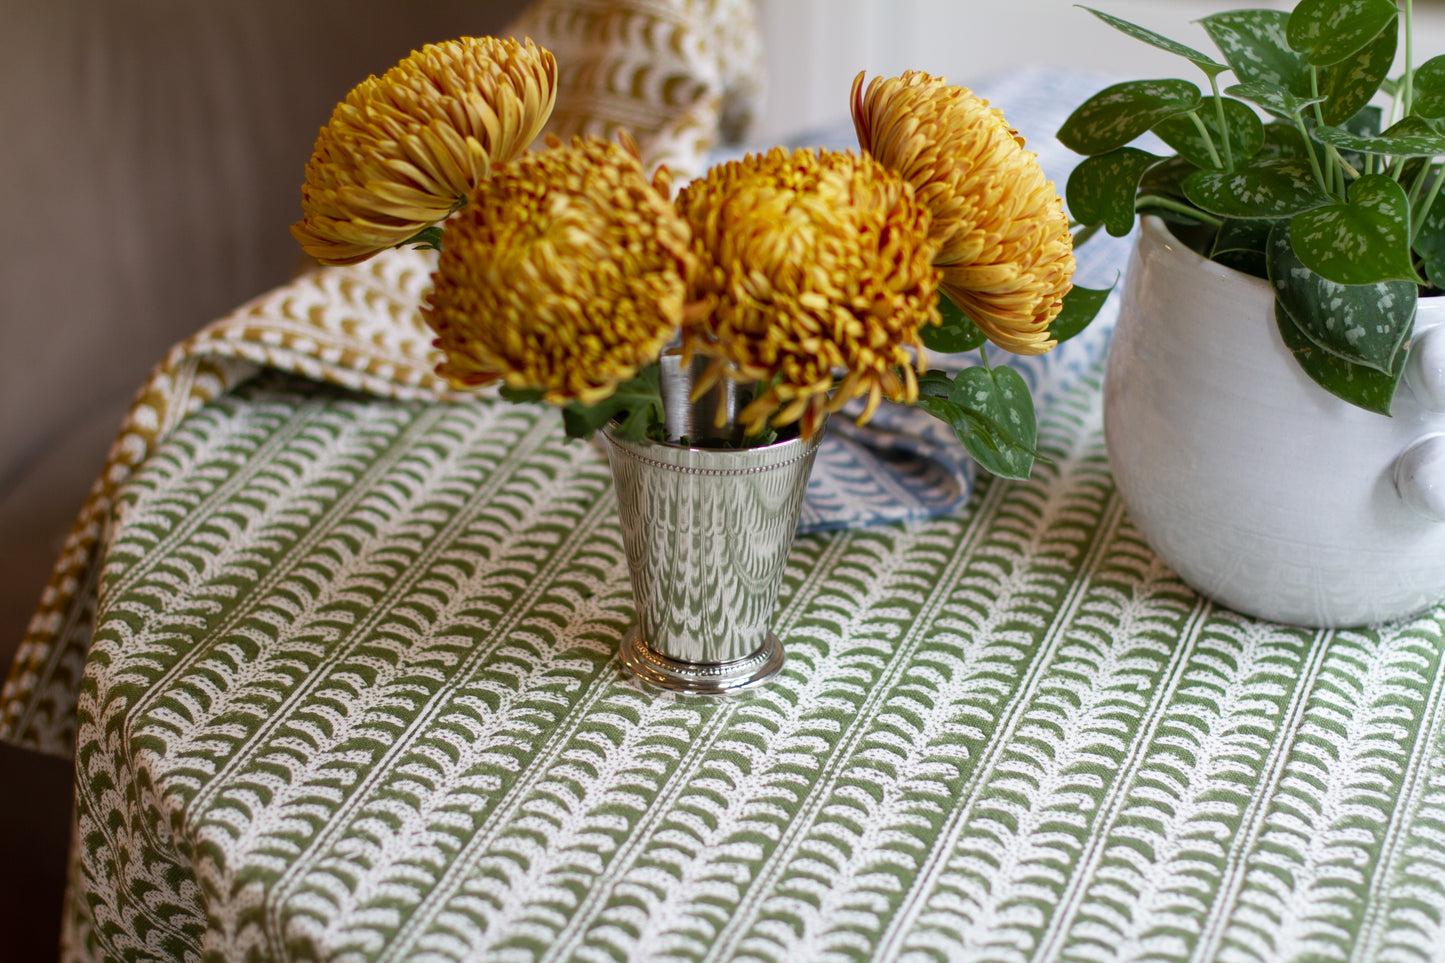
(151, 157)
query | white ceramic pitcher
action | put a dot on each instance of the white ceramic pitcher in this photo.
(1258, 487)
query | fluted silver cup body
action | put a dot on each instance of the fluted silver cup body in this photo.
(707, 533)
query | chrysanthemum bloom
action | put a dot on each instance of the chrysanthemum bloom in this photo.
(404, 149)
(565, 272)
(1006, 252)
(815, 263)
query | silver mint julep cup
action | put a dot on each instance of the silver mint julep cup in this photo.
(707, 532)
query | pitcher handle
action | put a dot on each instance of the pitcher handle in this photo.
(1425, 368)
(1420, 476)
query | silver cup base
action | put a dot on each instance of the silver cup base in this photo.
(714, 678)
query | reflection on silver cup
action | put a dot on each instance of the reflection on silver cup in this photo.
(707, 533)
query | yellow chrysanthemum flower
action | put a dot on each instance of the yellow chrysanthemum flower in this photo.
(404, 149)
(1006, 252)
(814, 263)
(566, 272)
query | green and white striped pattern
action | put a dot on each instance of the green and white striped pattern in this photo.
(354, 695)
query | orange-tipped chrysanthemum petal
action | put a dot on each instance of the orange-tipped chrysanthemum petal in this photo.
(816, 264)
(405, 148)
(566, 272)
(1006, 252)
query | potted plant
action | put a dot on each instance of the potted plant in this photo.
(1274, 389)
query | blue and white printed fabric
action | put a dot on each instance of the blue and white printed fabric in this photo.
(904, 464)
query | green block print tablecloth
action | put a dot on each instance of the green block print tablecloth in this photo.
(354, 695)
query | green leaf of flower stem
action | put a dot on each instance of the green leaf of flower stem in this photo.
(1102, 189)
(1429, 84)
(1328, 31)
(990, 411)
(1205, 62)
(1362, 241)
(1004, 430)
(1411, 137)
(934, 391)
(1256, 48)
(1081, 306)
(935, 396)
(1264, 190)
(636, 405)
(1430, 243)
(1245, 132)
(1360, 386)
(1363, 325)
(1241, 244)
(427, 238)
(1116, 115)
(1277, 100)
(522, 396)
(934, 385)
(956, 334)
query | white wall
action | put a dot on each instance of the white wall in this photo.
(815, 47)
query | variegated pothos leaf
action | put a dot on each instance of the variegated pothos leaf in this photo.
(1328, 31)
(1361, 241)
(1364, 325)
(1102, 189)
(1274, 188)
(1116, 115)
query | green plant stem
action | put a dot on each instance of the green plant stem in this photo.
(1146, 201)
(1208, 141)
(1422, 211)
(1418, 187)
(1340, 164)
(1326, 175)
(1314, 159)
(1408, 85)
(1223, 127)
